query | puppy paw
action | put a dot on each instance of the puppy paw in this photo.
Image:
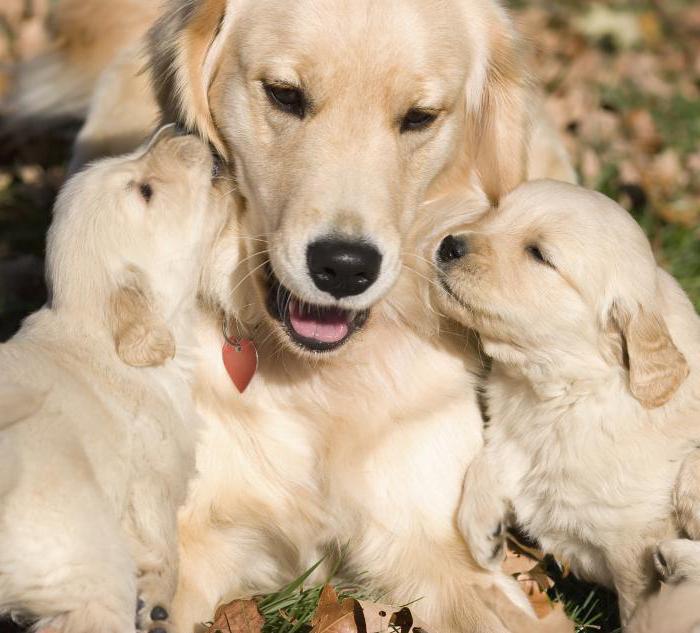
(485, 533)
(153, 609)
(153, 618)
(678, 560)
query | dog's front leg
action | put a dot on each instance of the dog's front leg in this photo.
(632, 565)
(483, 510)
(151, 527)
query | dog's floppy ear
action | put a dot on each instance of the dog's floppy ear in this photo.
(185, 46)
(502, 122)
(141, 337)
(656, 366)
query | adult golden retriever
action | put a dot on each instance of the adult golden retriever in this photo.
(338, 118)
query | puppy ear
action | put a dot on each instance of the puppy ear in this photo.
(656, 367)
(502, 123)
(141, 338)
(185, 48)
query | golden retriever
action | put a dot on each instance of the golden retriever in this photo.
(594, 395)
(96, 437)
(337, 118)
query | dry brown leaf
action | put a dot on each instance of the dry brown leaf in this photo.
(517, 621)
(666, 175)
(378, 618)
(685, 211)
(239, 616)
(651, 28)
(516, 563)
(643, 129)
(334, 617)
(525, 564)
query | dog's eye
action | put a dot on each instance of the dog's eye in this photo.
(146, 191)
(287, 98)
(417, 119)
(534, 251)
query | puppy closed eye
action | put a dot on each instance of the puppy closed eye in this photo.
(535, 252)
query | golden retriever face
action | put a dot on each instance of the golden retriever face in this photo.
(558, 271)
(337, 116)
(129, 240)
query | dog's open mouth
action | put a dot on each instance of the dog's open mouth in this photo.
(314, 328)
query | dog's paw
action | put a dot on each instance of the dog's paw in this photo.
(678, 560)
(484, 530)
(152, 618)
(153, 608)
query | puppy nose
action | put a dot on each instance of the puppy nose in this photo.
(452, 248)
(343, 268)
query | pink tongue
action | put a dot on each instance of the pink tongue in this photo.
(331, 326)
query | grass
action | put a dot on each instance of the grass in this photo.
(291, 609)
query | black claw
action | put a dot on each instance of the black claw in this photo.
(159, 613)
(498, 531)
(158, 630)
(140, 604)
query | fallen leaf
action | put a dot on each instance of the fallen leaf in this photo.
(332, 616)
(402, 620)
(685, 211)
(239, 616)
(525, 564)
(651, 28)
(643, 129)
(379, 616)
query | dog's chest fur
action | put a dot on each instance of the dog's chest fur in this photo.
(329, 454)
(585, 469)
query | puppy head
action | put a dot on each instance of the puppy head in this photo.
(128, 240)
(559, 271)
(337, 117)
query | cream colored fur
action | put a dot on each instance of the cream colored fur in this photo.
(317, 458)
(594, 396)
(95, 454)
(362, 451)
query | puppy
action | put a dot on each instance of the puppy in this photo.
(594, 396)
(96, 420)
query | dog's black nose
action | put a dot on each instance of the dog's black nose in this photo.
(343, 268)
(452, 248)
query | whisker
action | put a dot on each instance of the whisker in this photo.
(425, 259)
(248, 275)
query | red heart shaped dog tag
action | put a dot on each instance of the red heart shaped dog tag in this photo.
(240, 360)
